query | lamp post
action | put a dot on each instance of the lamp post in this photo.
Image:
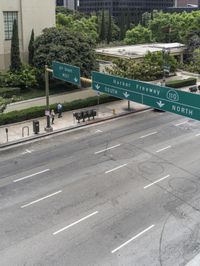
(165, 53)
(48, 128)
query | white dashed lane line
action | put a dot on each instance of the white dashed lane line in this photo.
(107, 149)
(163, 149)
(147, 135)
(116, 168)
(151, 184)
(70, 225)
(133, 238)
(28, 176)
(43, 198)
(181, 123)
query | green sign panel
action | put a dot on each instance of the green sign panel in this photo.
(163, 98)
(66, 72)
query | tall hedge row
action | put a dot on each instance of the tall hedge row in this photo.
(39, 111)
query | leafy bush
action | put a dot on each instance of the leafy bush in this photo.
(25, 78)
(181, 83)
(35, 112)
(9, 92)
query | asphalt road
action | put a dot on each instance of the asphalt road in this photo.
(123, 192)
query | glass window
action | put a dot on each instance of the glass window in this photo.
(9, 18)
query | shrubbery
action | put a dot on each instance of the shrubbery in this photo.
(9, 92)
(35, 112)
(181, 83)
(24, 78)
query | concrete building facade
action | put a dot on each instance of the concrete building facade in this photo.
(30, 14)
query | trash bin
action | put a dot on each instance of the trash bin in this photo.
(36, 126)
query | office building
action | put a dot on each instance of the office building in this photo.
(30, 14)
(71, 4)
(133, 7)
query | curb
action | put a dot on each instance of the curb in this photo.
(43, 135)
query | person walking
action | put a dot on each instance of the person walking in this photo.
(59, 109)
(52, 116)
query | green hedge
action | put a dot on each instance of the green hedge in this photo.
(9, 92)
(35, 112)
(181, 83)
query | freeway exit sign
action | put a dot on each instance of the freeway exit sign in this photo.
(66, 72)
(159, 97)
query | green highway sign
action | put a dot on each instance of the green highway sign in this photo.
(159, 97)
(66, 72)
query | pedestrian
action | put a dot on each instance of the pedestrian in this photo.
(59, 109)
(52, 116)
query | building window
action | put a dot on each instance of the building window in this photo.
(9, 18)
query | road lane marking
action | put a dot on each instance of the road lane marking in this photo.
(116, 168)
(133, 238)
(97, 152)
(151, 184)
(181, 123)
(70, 225)
(197, 135)
(147, 135)
(27, 151)
(168, 147)
(25, 177)
(98, 131)
(46, 197)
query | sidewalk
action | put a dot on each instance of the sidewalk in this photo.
(67, 121)
(64, 97)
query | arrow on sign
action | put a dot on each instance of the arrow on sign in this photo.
(160, 104)
(126, 94)
(97, 86)
(75, 79)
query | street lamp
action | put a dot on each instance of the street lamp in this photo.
(166, 67)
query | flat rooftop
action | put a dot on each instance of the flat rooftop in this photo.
(140, 50)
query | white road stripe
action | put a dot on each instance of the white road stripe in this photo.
(17, 180)
(27, 151)
(118, 167)
(181, 123)
(147, 135)
(35, 201)
(98, 131)
(82, 219)
(163, 149)
(197, 135)
(108, 149)
(127, 242)
(151, 184)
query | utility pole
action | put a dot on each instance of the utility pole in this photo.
(47, 112)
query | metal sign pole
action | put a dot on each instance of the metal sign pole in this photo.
(48, 127)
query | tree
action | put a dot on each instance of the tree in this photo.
(148, 69)
(88, 26)
(31, 49)
(15, 53)
(138, 34)
(102, 27)
(63, 45)
(109, 33)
